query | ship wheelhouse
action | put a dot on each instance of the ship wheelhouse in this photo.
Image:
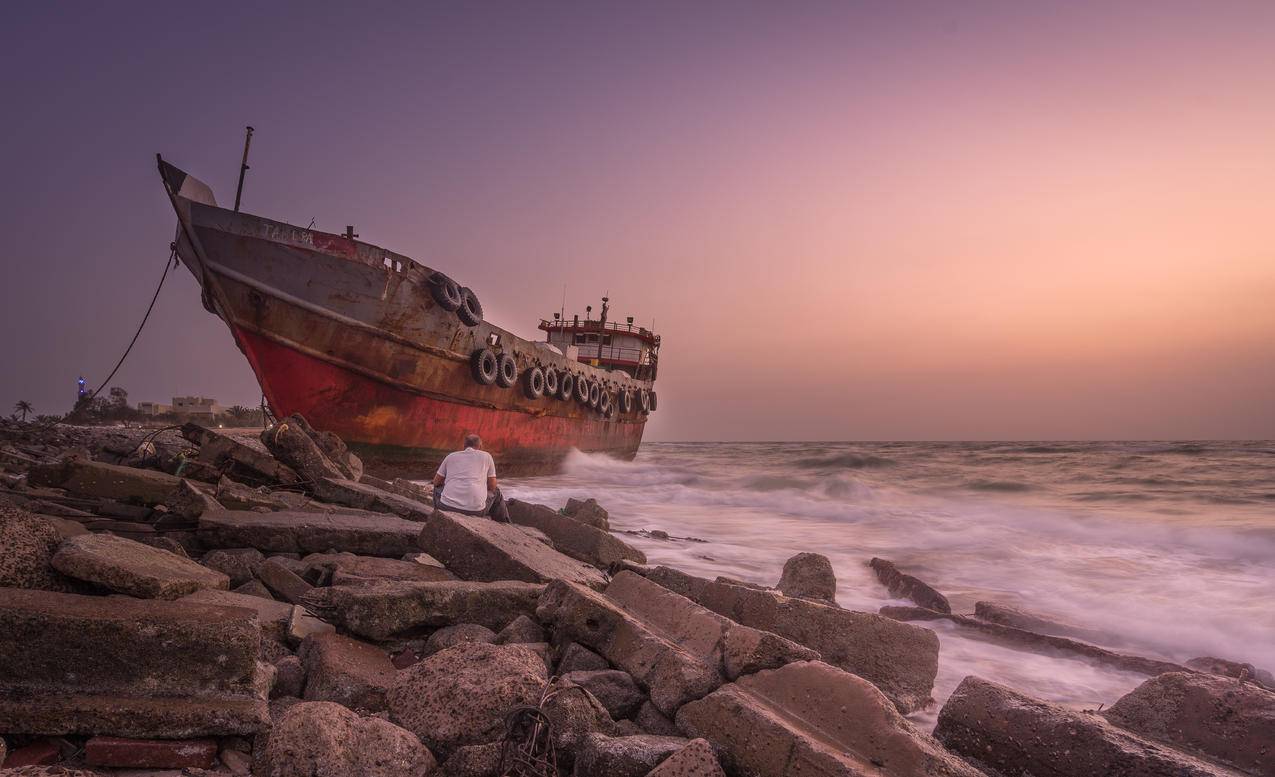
(611, 345)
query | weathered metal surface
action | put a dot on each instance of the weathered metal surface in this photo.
(349, 335)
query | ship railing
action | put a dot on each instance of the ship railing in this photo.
(614, 353)
(610, 326)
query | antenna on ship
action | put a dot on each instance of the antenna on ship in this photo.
(243, 167)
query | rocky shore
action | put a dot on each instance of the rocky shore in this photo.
(185, 602)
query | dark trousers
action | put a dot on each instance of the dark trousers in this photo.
(495, 509)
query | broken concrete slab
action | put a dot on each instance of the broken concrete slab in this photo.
(367, 497)
(1030, 640)
(908, 587)
(1005, 615)
(132, 568)
(322, 739)
(282, 582)
(616, 689)
(351, 673)
(1214, 717)
(902, 662)
(291, 442)
(302, 625)
(190, 502)
(476, 548)
(272, 616)
(620, 756)
(29, 543)
(350, 569)
(734, 649)
(578, 540)
(304, 532)
(142, 668)
(237, 459)
(1016, 734)
(670, 673)
(813, 719)
(380, 610)
(121, 752)
(588, 511)
(110, 481)
(239, 564)
(237, 496)
(696, 759)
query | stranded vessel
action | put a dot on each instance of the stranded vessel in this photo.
(396, 358)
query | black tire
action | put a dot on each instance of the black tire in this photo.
(644, 401)
(595, 394)
(485, 366)
(533, 383)
(470, 311)
(566, 386)
(610, 411)
(551, 382)
(604, 403)
(507, 371)
(582, 389)
(445, 292)
(654, 403)
(626, 401)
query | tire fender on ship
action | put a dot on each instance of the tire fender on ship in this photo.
(445, 292)
(654, 402)
(626, 401)
(582, 389)
(551, 382)
(533, 383)
(485, 366)
(470, 311)
(566, 386)
(644, 401)
(506, 371)
(604, 403)
(595, 394)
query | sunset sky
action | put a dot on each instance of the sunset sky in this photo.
(848, 220)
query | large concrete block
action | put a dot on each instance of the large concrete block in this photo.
(351, 673)
(671, 674)
(272, 616)
(242, 462)
(381, 610)
(900, 659)
(477, 548)
(107, 481)
(1217, 717)
(576, 539)
(299, 532)
(367, 497)
(127, 667)
(132, 568)
(349, 569)
(1016, 734)
(814, 720)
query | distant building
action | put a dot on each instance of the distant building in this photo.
(196, 406)
(153, 408)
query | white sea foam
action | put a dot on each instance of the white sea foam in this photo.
(1182, 570)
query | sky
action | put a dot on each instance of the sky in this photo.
(848, 220)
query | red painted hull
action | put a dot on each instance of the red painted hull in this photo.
(414, 432)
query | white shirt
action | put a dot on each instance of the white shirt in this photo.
(466, 474)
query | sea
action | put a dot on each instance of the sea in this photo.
(1166, 548)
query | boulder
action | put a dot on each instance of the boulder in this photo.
(253, 588)
(1236, 669)
(242, 462)
(631, 756)
(574, 713)
(365, 497)
(332, 446)
(1006, 615)
(1216, 717)
(29, 543)
(1012, 733)
(141, 668)
(190, 502)
(349, 569)
(289, 677)
(908, 587)
(282, 582)
(521, 630)
(813, 719)
(239, 564)
(476, 548)
(290, 443)
(237, 496)
(150, 753)
(455, 635)
(578, 658)
(473, 761)
(132, 568)
(671, 674)
(460, 696)
(617, 690)
(900, 659)
(652, 721)
(809, 576)
(380, 610)
(83, 477)
(351, 673)
(588, 512)
(696, 759)
(302, 625)
(578, 540)
(322, 739)
(301, 532)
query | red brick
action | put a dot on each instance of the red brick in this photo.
(42, 753)
(151, 753)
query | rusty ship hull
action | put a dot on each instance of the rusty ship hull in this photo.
(349, 335)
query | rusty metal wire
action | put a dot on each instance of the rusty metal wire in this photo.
(527, 749)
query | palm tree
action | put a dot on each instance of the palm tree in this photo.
(24, 407)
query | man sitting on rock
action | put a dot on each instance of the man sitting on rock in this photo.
(466, 483)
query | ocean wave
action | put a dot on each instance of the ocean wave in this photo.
(1004, 486)
(844, 461)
